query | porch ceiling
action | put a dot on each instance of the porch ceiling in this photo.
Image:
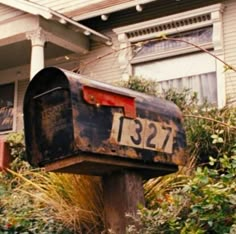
(19, 53)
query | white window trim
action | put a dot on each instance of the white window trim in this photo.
(171, 53)
(14, 107)
(193, 19)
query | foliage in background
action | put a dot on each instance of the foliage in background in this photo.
(20, 213)
(141, 85)
(211, 132)
(205, 203)
(34, 201)
(204, 122)
(17, 150)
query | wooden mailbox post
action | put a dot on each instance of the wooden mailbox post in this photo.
(77, 125)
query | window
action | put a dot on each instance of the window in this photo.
(201, 37)
(194, 71)
(175, 63)
(6, 106)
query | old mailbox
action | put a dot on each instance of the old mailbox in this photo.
(74, 124)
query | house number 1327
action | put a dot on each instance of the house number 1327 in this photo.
(143, 133)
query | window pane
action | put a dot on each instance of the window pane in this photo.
(199, 36)
(177, 67)
(203, 84)
(195, 71)
(6, 106)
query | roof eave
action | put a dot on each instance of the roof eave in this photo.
(108, 10)
(50, 14)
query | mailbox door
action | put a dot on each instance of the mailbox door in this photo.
(54, 130)
(48, 117)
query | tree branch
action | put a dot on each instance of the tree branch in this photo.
(212, 120)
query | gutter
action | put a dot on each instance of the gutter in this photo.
(49, 14)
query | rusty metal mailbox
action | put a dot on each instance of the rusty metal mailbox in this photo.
(74, 124)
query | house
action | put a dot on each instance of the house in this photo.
(110, 40)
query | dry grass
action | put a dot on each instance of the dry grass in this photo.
(158, 187)
(74, 200)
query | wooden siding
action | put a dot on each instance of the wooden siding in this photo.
(229, 20)
(7, 13)
(107, 68)
(22, 85)
(102, 62)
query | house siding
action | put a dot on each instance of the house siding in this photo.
(229, 22)
(102, 62)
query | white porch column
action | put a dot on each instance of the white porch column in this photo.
(38, 40)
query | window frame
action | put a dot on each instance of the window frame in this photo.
(187, 21)
(15, 83)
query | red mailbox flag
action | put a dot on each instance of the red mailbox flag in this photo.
(5, 156)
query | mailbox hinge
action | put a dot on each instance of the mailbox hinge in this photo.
(101, 97)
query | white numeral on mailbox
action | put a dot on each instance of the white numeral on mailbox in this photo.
(143, 133)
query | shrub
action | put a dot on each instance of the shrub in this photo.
(141, 85)
(33, 201)
(205, 204)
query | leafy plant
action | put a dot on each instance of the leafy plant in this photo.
(210, 132)
(141, 85)
(205, 204)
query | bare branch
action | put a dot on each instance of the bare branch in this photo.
(228, 66)
(212, 120)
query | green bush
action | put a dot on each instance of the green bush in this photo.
(205, 204)
(141, 85)
(210, 132)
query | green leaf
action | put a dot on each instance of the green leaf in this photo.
(210, 223)
(204, 179)
(214, 136)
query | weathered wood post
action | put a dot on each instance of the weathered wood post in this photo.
(123, 192)
(77, 125)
